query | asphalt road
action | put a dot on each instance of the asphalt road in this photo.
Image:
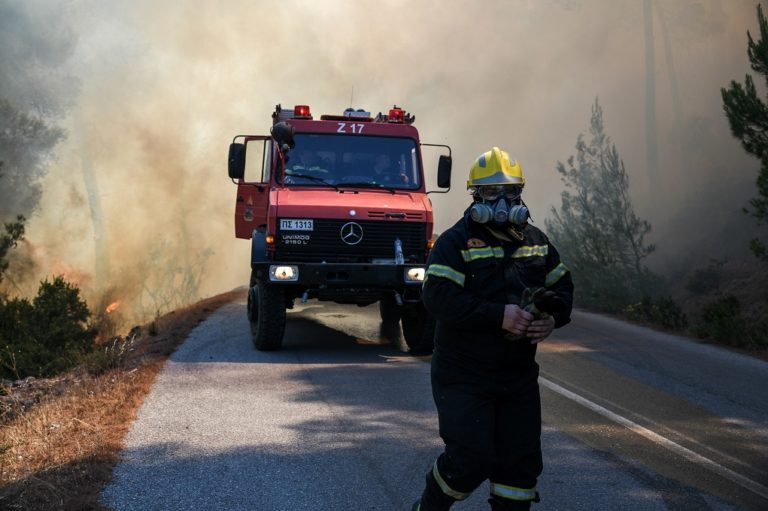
(341, 420)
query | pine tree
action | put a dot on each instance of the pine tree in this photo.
(14, 232)
(596, 229)
(748, 117)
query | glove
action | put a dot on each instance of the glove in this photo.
(538, 301)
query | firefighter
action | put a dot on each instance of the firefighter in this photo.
(384, 171)
(484, 373)
(311, 164)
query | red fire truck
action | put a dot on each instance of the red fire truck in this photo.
(337, 210)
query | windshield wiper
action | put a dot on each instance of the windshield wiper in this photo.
(368, 184)
(312, 178)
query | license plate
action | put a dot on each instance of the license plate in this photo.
(296, 224)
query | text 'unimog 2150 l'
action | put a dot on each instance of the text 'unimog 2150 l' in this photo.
(337, 210)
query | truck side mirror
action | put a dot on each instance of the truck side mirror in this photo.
(236, 161)
(444, 171)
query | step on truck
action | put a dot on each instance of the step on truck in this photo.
(337, 209)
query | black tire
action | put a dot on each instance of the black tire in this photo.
(418, 330)
(389, 310)
(266, 313)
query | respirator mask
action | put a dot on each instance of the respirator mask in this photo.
(499, 205)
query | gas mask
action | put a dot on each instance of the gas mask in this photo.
(498, 208)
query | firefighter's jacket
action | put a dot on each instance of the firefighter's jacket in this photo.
(471, 275)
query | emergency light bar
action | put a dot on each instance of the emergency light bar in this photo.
(301, 112)
(396, 115)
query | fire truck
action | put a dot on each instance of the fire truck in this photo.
(336, 209)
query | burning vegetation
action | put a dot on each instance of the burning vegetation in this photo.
(112, 307)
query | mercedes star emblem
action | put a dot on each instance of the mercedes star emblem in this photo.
(351, 233)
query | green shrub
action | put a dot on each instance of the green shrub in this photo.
(46, 336)
(723, 321)
(112, 354)
(662, 311)
(599, 289)
(706, 280)
(612, 290)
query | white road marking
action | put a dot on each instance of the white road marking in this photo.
(688, 454)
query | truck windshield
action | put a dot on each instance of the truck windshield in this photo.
(366, 161)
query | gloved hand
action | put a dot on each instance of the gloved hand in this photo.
(541, 303)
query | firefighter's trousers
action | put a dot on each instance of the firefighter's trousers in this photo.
(491, 431)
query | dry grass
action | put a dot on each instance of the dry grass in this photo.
(60, 453)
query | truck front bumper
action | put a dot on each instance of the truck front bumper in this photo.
(321, 275)
(359, 283)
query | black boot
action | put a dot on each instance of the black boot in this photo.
(433, 498)
(499, 504)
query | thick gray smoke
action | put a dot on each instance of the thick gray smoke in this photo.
(35, 90)
(138, 199)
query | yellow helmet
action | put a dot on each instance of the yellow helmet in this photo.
(495, 168)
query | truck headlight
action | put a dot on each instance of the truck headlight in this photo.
(280, 273)
(414, 275)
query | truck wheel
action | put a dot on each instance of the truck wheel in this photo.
(418, 330)
(266, 313)
(389, 310)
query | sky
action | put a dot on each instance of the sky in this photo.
(157, 89)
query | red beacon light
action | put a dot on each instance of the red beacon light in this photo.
(302, 112)
(396, 115)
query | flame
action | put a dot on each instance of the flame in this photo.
(113, 306)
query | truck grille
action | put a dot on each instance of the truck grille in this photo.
(324, 242)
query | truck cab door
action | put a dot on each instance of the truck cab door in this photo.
(250, 163)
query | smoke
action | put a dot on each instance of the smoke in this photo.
(34, 91)
(138, 204)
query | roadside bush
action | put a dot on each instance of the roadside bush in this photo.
(663, 312)
(611, 290)
(112, 354)
(722, 320)
(46, 336)
(706, 280)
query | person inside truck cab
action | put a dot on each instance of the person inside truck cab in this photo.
(310, 163)
(385, 172)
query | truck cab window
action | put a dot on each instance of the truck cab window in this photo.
(351, 159)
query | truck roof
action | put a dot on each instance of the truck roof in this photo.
(355, 127)
(396, 123)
